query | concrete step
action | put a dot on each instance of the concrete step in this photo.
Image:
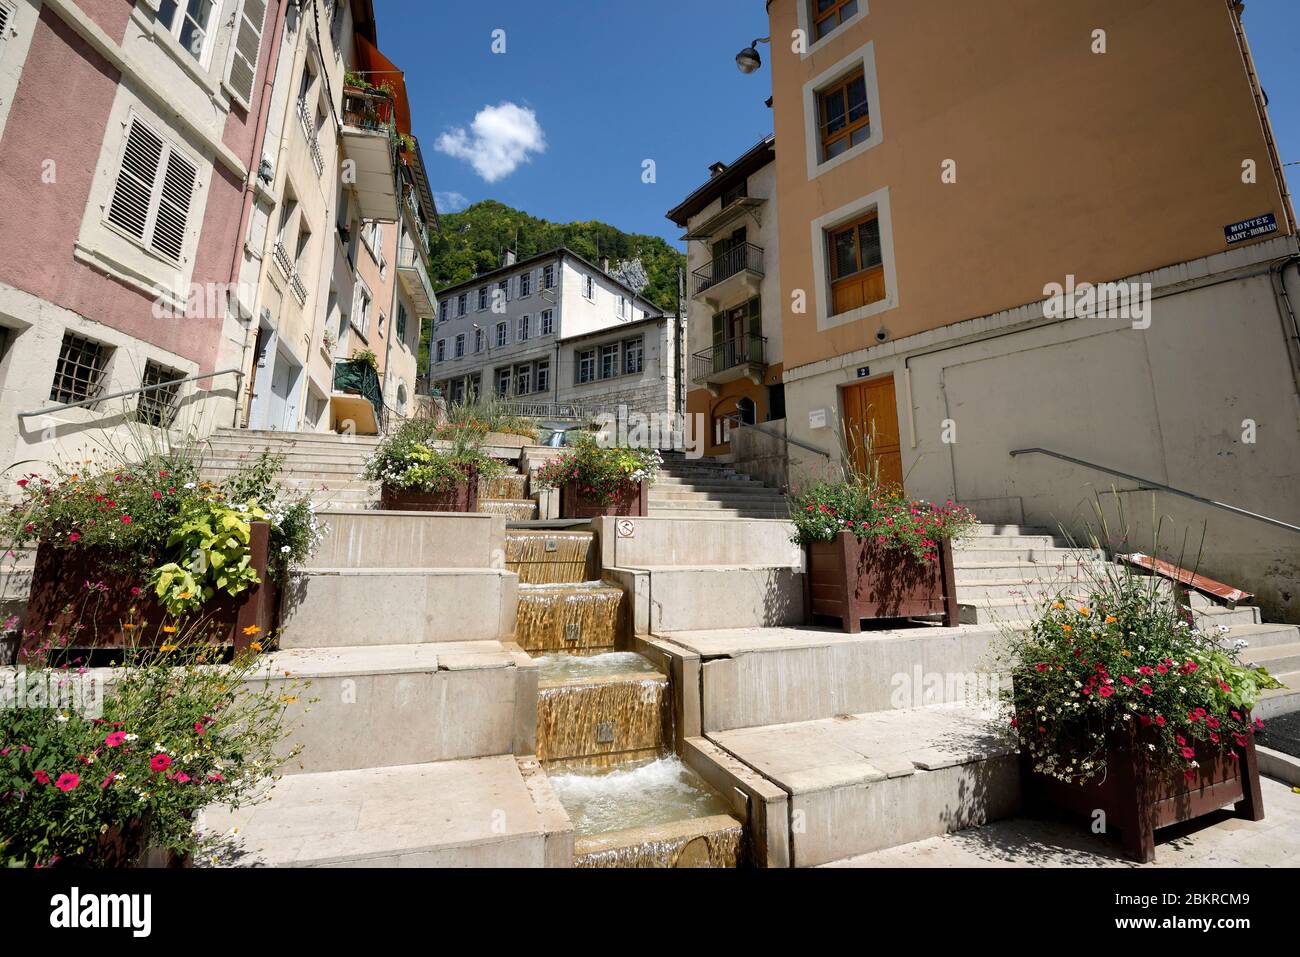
(973, 591)
(1002, 531)
(334, 607)
(270, 437)
(706, 505)
(1210, 616)
(718, 514)
(222, 451)
(1263, 635)
(862, 782)
(707, 488)
(977, 552)
(484, 812)
(994, 611)
(692, 597)
(743, 481)
(316, 470)
(718, 499)
(376, 705)
(1278, 659)
(383, 539)
(1285, 700)
(1041, 543)
(999, 571)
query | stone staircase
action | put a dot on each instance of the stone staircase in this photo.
(326, 465)
(707, 488)
(418, 721)
(1004, 571)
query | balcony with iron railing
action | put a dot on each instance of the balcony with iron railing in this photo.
(738, 270)
(299, 288)
(730, 360)
(413, 273)
(370, 141)
(313, 137)
(281, 256)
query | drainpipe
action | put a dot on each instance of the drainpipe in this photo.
(254, 165)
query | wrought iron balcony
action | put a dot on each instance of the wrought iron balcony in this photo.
(739, 267)
(730, 360)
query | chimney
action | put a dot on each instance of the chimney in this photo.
(509, 258)
(717, 169)
(604, 264)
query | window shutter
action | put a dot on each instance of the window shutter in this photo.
(241, 71)
(4, 21)
(136, 176)
(174, 206)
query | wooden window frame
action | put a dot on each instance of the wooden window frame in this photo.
(851, 126)
(816, 20)
(862, 271)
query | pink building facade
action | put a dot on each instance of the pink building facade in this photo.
(130, 143)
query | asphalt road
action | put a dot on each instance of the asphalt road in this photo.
(1282, 733)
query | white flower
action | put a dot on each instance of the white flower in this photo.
(285, 549)
(190, 485)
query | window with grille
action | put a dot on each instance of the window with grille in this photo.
(462, 304)
(482, 298)
(548, 322)
(548, 277)
(526, 284)
(444, 310)
(503, 381)
(442, 350)
(478, 340)
(543, 376)
(503, 333)
(632, 356)
(524, 323)
(158, 406)
(504, 288)
(585, 368)
(523, 379)
(154, 190)
(79, 374)
(460, 346)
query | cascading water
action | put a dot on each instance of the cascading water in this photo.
(604, 718)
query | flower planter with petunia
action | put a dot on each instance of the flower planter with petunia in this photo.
(94, 608)
(419, 471)
(853, 579)
(1138, 798)
(1118, 703)
(631, 499)
(871, 554)
(597, 480)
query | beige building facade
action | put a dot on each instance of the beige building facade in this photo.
(944, 205)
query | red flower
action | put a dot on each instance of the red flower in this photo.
(1146, 690)
(126, 519)
(1259, 724)
(115, 739)
(41, 777)
(1160, 720)
(73, 536)
(159, 762)
(1040, 667)
(1189, 753)
(1211, 722)
(67, 781)
(1106, 691)
(182, 778)
(157, 495)
(22, 483)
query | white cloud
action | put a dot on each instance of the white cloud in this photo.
(450, 202)
(498, 140)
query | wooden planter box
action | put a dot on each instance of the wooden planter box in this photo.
(851, 580)
(462, 498)
(1138, 801)
(633, 500)
(61, 603)
(127, 847)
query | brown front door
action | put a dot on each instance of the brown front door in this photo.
(871, 429)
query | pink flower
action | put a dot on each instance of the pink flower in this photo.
(106, 782)
(159, 762)
(182, 778)
(1146, 690)
(73, 536)
(67, 781)
(1106, 691)
(1211, 722)
(1189, 753)
(157, 495)
(115, 739)
(126, 519)
(41, 777)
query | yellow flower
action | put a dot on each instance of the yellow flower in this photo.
(289, 698)
(1058, 606)
(167, 647)
(1111, 619)
(1084, 610)
(1125, 652)
(1066, 628)
(169, 629)
(252, 630)
(185, 595)
(255, 647)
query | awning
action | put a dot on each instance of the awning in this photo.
(378, 70)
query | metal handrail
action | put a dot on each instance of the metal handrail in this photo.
(238, 373)
(787, 439)
(1148, 484)
(744, 257)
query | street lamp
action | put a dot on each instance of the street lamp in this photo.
(748, 60)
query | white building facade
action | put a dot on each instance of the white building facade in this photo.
(555, 330)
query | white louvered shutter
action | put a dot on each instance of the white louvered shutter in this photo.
(154, 192)
(241, 72)
(174, 206)
(5, 15)
(133, 194)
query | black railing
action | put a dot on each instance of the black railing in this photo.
(743, 350)
(745, 257)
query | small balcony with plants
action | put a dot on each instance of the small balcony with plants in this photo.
(371, 141)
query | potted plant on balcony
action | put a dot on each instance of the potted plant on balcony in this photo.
(873, 553)
(418, 472)
(1120, 705)
(596, 480)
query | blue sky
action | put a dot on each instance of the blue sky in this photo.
(612, 83)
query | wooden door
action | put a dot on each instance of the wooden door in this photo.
(871, 429)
